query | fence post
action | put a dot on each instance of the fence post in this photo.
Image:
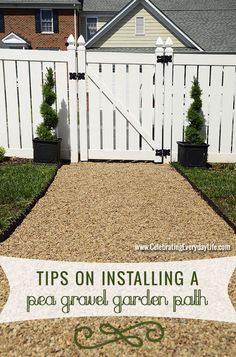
(83, 130)
(159, 89)
(168, 98)
(74, 153)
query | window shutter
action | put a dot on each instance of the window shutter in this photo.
(37, 21)
(2, 27)
(55, 21)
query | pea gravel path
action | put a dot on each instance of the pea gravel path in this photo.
(97, 212)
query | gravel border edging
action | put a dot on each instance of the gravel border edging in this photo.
(212, 204)
(18, 220)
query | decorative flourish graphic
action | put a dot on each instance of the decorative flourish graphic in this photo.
(152, 329)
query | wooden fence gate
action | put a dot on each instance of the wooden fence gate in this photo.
(120, 113)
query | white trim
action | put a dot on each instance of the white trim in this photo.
(24, 153)
(97, 14)
(86, 23)
(19, 40)
(46, 32)
(110, 23)
(141, 33)
(35, 55)
(14, 41)
(120, 57)
(28, 153)
(94, 154)
(212, 157)
(204, 59)
(155, 10)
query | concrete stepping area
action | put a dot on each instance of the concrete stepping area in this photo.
(98, 212)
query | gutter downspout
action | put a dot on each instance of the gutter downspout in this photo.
(77, 8)
(75, 25)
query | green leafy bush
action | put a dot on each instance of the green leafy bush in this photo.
(46, 130)
(2, 153)
(44, 133)
(195, 116)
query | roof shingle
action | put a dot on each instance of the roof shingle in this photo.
(116, 5)
(209, 23)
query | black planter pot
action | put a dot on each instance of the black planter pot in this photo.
(192, 155)
(46, 151)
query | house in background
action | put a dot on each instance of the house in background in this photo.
(38, 24)
(192, 25)
(119, 25)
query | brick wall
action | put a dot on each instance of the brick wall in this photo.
(22, 22)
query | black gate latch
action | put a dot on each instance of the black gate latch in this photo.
(78, 76)
(164, 59)
(163, 152)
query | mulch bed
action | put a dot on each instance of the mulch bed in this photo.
(15, 161)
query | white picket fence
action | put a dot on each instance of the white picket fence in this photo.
(138, 106)
(217, 76)
(21, 76)
(130, 105)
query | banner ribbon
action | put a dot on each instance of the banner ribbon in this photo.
(43, 289)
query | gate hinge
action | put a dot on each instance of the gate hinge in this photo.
(163, 152)
(164, 59)
(78, 76)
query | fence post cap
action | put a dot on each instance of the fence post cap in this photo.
(159, 42)
(159, 51)
(81, 40)
(169, 42)
(169, 47)
(71, 42)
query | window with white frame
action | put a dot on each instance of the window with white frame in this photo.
(91, 26)
(46, 18)
(139, 26)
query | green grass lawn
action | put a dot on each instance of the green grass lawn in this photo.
(218, 183)
(19, 185)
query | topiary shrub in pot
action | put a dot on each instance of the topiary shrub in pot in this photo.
(2, 153)
(46, 145)
(193, 151)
